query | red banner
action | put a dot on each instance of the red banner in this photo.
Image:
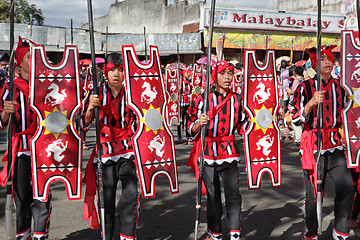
(262, 137)
(88, 82)
(237, 83)
(196, 81)
(172, 86)
(56, 148)
(153, 141)
(350, 81)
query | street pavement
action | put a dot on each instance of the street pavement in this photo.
(267, 214)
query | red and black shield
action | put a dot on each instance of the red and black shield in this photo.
(262, 137)
(153, 141)
(237, 83)
(172, 85)
(196, 81)
(56, 148)
(88, 82)
(350, 81)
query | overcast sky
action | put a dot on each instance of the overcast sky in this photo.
(59, 13)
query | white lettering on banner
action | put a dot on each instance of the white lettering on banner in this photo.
(226, 18)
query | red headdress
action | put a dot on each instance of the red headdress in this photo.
(184, 70)
(22, 48)
(218, 67)
(108, 66)
(325, 50)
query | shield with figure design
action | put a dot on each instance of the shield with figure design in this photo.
(56, 147)
(153, 141)
(350, 81)
(172, 80)
(262, 137)
(196, 81)
(237, 83)
(88, 82)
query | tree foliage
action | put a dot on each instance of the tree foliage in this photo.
(24, 12)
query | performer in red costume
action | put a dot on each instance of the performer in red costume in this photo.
(224, 116)
(117, 123)
(185, 90)
(305, 102)
(24, 126)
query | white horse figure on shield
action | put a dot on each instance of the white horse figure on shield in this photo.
(55, 97)
(148, 95)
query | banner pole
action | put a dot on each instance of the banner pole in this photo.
(9, 198)
(206, 102)
(97, 121)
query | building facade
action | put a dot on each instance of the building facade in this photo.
(329, 7)
(181, 26)
(156, 16)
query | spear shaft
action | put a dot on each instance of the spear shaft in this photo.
(358, 14)
(97, 121)
(180, 133)
(319, 164)
(206, 102)
(9, 201)
(146, 56)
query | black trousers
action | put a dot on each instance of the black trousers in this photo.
(128, 205)
(27, 207)
(356, 204)
(183, 122)
(229, 174)
(336, 167)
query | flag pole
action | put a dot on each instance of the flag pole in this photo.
(146, 56)
(319, 162)
(180, 133)
(9, 198)
(358, 14)
(97, 122)
(206, 102)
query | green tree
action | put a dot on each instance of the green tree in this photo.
(24, 12)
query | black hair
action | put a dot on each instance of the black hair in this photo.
(283, 64)
(299, 70)
(115, 58)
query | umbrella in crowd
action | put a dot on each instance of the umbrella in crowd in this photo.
(85, 62)
(99, 60)
(203, 60)
(300, 63)
(174, 65)
(145, 61)
(278, 61)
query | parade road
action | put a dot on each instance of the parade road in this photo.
(267, 214)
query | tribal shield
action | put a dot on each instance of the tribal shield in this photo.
(280, 114)
(56, 148)
(88, 82)
(262, 137)
(196, 81)
(172, 86)
(350, 81)
(237, 83)
(153, 141)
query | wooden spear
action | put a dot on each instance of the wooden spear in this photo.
(206, 102)
(97, 122)
(9, 199)
(319, 162)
